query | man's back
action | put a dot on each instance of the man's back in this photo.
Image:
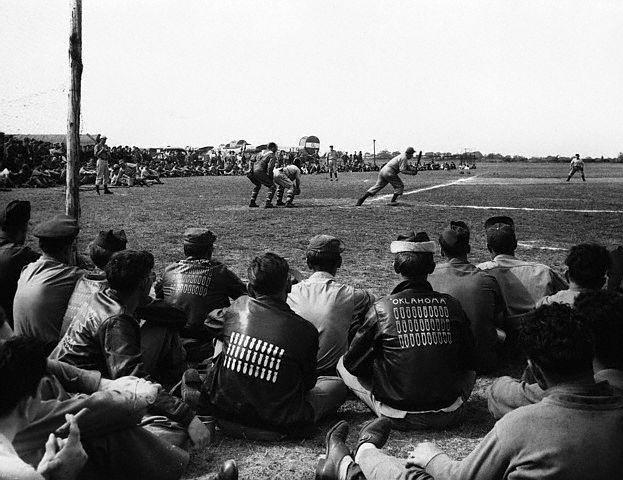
(575, 433)
(13, 258)
(331, 307)
(481, 299)
(43, 293)
(198, 286)
(419, 345)
(86, 287)
(522, 283)
(267, 365)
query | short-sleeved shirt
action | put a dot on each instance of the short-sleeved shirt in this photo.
(577, 163)
(522, 283)
(397, 164)
(332, 308)
(43, 292)
(13, 258)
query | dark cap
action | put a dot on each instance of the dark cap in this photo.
(199, 236)
(325, 243)
(502, 219)
(16, 213)
(457, 235)
(60, 226)
(410, 150)
(500, 233)
(112, 241)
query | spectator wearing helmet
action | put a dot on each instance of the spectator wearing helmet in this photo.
(266, 376)
(523, 283)
(333, 308)
(45, 286)
(412, 360)
(14, 255)
(198, 285)
(477, 291)
(588, 265)
(100, 251)
(575, 432)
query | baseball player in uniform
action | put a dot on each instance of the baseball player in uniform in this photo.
(332, 158)
(288, 179)
(262, 174)
(102, 154)
(389, 174)
(577, 165)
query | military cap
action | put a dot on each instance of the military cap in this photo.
(199, 236)
(111, 241)
(410, 150)
(325, 243)
(60, 226)
(501, 219)
(15, 213)
(456, 234)
(412, 242)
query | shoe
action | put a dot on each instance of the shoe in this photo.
(268, 205)
(191, 387)
(107, 192)
(336, 450)
(360, 202)
(280, 204)
(228, 471)
(253, 204)
(289, 205)
(97, 189)
(375, 432)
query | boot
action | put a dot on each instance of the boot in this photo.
(362, 199)
(252, 204)
(106, 191)
(268, 205)
(280, 203)
(336, 450)
(375, 432)
(97, 189)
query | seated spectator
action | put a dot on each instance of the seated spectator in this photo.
(477, 291)
(604, 315)
(412, 360)
(588, 265)
(575, 433)
(265, 375)
(100, 251)
(14, 255)
(523, 283)
(615, 275)
(45, 286)
(333, 308)
(106, 336)
(197, 285)
(22, 366)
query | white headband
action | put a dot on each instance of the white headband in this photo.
(399, 246)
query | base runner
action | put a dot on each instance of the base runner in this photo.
(577, 165)
(288, 179)
(389, 174)
(262, 174)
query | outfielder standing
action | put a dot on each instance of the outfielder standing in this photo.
(332, 163)
(389, 174)
(262, 174)
(101, 154)
(577, 165)
(287, 178)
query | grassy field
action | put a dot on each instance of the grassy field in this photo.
(550, 214)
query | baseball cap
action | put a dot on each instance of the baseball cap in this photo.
(16, 213)
(60, 226)
(326, 244)
(457, 234)
(500, 219)
(199, 236)
(111, 240)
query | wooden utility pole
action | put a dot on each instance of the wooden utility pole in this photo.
(72, 192)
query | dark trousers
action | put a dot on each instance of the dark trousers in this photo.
(164, 357)
(258, 179)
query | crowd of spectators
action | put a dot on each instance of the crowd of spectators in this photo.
(156, 360)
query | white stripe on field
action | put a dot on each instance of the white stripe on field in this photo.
(525, 209)
(441, 185)
(530, 245)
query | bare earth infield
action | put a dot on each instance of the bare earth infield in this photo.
(551, 215)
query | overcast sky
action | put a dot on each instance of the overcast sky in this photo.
(524, 77)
